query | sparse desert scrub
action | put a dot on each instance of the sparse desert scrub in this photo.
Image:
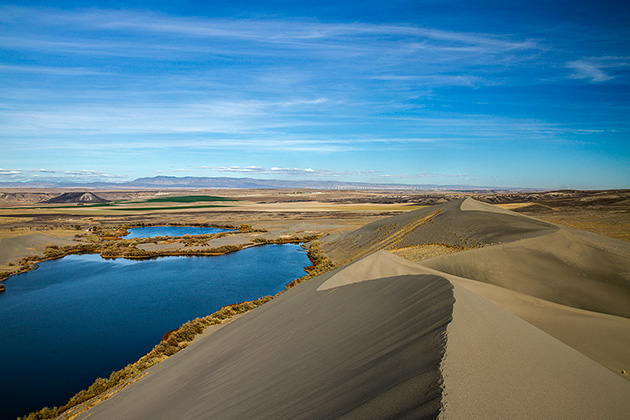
(321, 264)
(426, 251)
(286, 240)
(6, 274)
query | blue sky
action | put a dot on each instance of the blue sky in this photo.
(501, 93)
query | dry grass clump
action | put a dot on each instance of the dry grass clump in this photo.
(285, 240)
(418, 253)
(321, 264)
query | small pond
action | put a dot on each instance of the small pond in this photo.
(82, 317)
(154, 231)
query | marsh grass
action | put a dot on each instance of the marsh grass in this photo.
(321, 264)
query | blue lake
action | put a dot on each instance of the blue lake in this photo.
(82, 317)
(153, 231)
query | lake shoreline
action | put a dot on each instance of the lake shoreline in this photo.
(111, 244)
(172, 342)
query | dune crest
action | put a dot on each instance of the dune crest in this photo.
(473, 205)
(497, 366)
(367, 350)
(379, 265)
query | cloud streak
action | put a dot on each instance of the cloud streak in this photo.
(277, 171)
(598, 69)
(25, 175)
(360, 45)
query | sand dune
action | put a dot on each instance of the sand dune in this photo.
(497, 366)
(444, 224)
(520, 253)
(365, 350)
(382, 337)
(572, 284)
(13, 249)
(602, 337)
(560, 267)
(565, 266)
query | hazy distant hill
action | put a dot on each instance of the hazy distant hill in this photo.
(244, 183)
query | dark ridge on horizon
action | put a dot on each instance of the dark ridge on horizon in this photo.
(77, 197)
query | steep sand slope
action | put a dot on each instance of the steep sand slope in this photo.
(602, 337)
(565, 266)
(550, 275)
(551, 262)
(365, 350)
(444, 224)
(350, 344)
(497, 366)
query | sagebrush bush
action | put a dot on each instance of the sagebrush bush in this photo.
(321, 264)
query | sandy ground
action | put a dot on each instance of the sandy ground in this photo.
(13, 249)
(603, 338)
(561, 265)
(497, 366)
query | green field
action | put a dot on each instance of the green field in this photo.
(188, 199)
(163, 208)
(114, 205)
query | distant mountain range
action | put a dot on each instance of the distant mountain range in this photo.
(162, 182)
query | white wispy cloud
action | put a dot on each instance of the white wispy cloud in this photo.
(359, 45)
(257, 170)
(9, 172)
(589, 70)
(83, 175)
(216, 116)
(270, 30)
(423, 175)
(597, 69)
(299, 76)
